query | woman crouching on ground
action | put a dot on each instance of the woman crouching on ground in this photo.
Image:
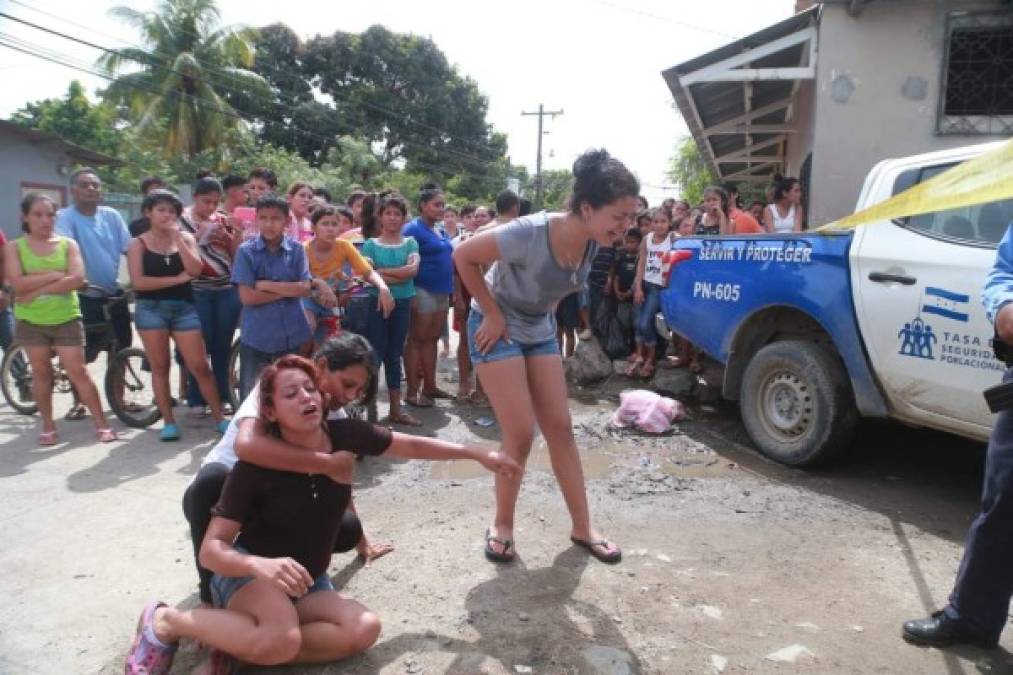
(536, 261)
(270, 541)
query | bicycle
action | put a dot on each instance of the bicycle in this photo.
(129, 398)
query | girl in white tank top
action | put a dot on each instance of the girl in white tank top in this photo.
(786, 224)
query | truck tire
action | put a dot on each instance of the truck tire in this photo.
(797, 404)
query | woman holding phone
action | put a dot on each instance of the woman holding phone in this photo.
(214, 295)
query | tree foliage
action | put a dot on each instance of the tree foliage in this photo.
(689, 171)
(188, 60)
(74, 118)
(373, 110)
(399, 92)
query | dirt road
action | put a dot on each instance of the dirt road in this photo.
(732, 564)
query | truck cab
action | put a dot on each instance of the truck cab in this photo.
(818, 328)
(916, 284)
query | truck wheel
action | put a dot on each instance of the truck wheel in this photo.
(797, 404)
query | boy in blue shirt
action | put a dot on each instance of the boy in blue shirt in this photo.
(272, 275)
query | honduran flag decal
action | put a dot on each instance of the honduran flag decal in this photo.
(945, 303)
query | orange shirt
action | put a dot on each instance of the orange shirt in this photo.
(744, 223)
(332, 266)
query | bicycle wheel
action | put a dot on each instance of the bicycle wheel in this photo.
(129, 391)
(233, 394)
(16, 380)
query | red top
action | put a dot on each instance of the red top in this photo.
(744, 223)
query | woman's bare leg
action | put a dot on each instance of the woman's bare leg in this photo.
(191, 347)
(261, 626)
(334, 628)
(42, 384)
(506, 385)
(156, 348)
(550, 401)
(72, 359)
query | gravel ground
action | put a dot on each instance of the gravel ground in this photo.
(732, 564)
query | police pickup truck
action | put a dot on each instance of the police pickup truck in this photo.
(817, 329)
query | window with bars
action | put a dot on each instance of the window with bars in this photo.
(977, 93)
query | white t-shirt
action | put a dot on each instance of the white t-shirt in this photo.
(224, 451)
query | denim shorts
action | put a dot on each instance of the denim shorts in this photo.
(427, 302)
(223, 588)
(506, 350)
(170, 315)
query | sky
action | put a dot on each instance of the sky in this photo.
(599, 61)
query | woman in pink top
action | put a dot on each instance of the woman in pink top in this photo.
(300, 197)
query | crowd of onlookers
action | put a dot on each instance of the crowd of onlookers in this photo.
(287, 269)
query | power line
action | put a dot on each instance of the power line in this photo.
(542, 113)
(168, 58)
(655, 17)
(17, 44)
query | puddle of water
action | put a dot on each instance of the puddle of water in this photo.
(595, 460)
(688, 465)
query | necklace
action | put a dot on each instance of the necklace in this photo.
(166, 256)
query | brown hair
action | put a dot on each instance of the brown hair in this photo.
(270, 374)
(28, 202)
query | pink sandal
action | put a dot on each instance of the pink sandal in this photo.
(106, 435)
(148, 656)
(49, 438)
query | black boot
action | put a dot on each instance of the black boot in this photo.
(940, 630)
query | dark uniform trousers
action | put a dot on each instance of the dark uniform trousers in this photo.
(984, 585)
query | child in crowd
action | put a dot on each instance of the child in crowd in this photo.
(272, 275)
(396, 259)
(685, 352)
(647, 291)
(260, 182)
(624, 274)
(300, 197)
(644, 223)
(329, 258)
(235, 193)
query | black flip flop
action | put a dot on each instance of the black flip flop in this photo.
(508, 554)
(610, 559)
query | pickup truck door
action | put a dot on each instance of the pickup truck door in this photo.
(917, 285)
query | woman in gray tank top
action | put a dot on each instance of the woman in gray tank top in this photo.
(532, 263)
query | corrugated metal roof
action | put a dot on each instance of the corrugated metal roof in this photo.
(83, 155)
(717, 102)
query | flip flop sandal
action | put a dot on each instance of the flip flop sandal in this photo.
(647, 370)
(438, 393)
(78, 412)
(49, 438)
(593, 548)
(106, 435)
(506, 556)
(405, 419)
(632, 367)
(419, 401)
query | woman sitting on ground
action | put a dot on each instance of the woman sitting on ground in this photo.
(270, 541)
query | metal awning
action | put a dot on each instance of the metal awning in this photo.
(73, 151)
(737, 100)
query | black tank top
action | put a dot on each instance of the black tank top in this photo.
(162, 265)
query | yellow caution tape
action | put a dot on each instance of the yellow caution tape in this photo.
(984, 179)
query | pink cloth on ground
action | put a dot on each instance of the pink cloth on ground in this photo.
(647, 411)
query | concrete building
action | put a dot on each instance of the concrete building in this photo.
(36, 161)
(830, 91)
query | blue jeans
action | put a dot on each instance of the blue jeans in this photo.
(6, 329)
(219, 316)
(388, 337)
(646, 332)
(251, 362)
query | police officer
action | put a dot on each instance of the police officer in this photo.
(980, 600)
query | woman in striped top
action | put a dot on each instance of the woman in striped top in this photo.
(214, 295)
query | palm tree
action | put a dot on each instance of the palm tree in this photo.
(188, 59)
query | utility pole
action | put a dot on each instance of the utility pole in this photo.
(542, 112)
